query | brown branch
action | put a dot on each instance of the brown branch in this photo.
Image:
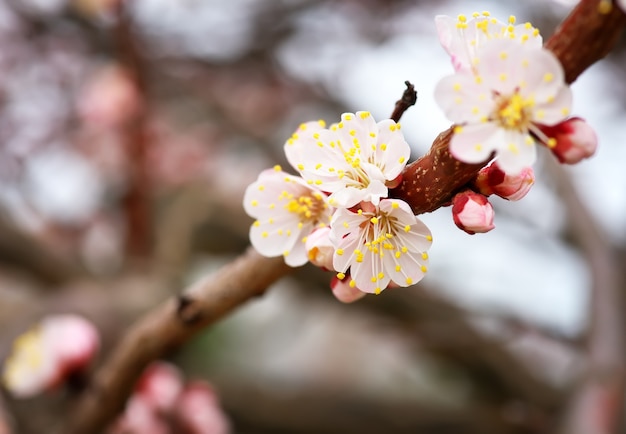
(167, 326)
(586, 36)
(437, 174)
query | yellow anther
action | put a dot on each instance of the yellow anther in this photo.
(462, 18)
(424, 268)
(512, 19)
(383, 147)
(398, 254)
(605, 6)
(377, 291)
(407, 228)
(409, 281)
(429, 237)
(300, 166)
(278, 168)
(456, 87)
(339, 252)
(548, 77)
(352, 283)
(551, 142)
(347, 117)
(254, 202)
(401, 160)
(341, 276)
(394, 205)
(398, 268)
(264, 234)
(374, 220)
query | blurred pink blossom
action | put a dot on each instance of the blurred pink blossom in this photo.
(162, 404)
(110, 98)
(48, 354)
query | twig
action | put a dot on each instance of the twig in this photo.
(409, 98)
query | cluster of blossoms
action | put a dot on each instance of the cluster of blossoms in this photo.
(163, 403)
(337, 213)
(507, 94)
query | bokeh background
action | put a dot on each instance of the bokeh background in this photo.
(129, 131)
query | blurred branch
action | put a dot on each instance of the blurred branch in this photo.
(172, 323)
(597, 406)
(137, 198)
(322, 411)
(201, 305)
(445, 330)
(26, 254)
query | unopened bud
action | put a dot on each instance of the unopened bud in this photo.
(319, 248)
(571, 141)
(493, 180)
(472, 212)
(345, 290)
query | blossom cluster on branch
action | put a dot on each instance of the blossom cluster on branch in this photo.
(337, 212)
(506, 95)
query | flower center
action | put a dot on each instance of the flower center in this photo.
(513, 112)
(308, 206)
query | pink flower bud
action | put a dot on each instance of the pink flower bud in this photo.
(472, 212)
(571, 141)
(198, 410)
(46, 355)
(493, 180)
(345, 290)
(319, 248)
(160, 385)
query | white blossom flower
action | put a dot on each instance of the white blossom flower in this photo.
(462, 39)
(380, 244)
(500, 106)
(355, 160)
(287, 210)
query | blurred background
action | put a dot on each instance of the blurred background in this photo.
(129, 131)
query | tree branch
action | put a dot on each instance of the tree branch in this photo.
(170, 324)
